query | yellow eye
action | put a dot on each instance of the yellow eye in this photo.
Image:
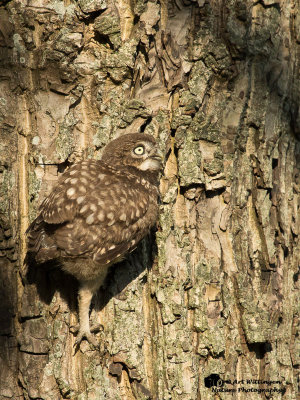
(139, 150)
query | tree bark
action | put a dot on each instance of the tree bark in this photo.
(210, 301)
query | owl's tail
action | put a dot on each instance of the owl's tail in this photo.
(41, 245)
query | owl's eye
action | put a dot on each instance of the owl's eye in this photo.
(139, 150)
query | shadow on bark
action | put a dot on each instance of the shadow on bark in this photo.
(7, 307)
(7, 283)
(49, 277)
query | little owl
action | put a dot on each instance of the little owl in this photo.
(98, 212)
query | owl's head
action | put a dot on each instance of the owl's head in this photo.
(134, 150)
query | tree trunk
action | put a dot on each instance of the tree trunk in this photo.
(210, 298)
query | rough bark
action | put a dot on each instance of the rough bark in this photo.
(217, 296)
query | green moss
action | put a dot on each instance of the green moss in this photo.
(215, 166)
(179, 120)
(139, 7)
(257, 324)
(107, 25)
(165, 221)
(189, 162)
(56, 329)
(200, 320)
(64, 143)
(183, 240)
(88, 6)
(199, 79)
(203, 128)
(188, 101)
(7, 181)
(104, 131)
(133, 109)
(34, 185)
(171, 194)
(65, 389)
(265, 40)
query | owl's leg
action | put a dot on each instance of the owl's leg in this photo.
(86, 292)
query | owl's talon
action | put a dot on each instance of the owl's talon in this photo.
(74, 328)
(94, 328)
(97, 328)
(88, 336)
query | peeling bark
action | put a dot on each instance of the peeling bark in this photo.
(213, 295)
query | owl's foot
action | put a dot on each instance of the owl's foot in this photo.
(86, 334)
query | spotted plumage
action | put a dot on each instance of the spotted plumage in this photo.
(98, 212)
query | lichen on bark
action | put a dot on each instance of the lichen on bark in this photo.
(212, 293)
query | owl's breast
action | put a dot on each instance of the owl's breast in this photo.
(84, 269)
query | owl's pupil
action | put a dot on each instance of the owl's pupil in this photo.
(139, 150)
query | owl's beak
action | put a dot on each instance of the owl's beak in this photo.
(154, 161)
(158, 155)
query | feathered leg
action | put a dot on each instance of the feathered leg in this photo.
(87, 289)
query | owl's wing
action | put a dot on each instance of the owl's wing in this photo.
(129, 211)
(63, 202)
(95, 211)
(110, 221)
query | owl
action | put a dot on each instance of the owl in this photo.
(98, 212)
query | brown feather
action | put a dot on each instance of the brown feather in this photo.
(98, 211)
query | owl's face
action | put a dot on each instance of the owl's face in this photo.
(135, 150)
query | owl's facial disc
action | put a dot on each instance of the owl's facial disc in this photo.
(147, 157)
(152, 160)
(151, 164)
